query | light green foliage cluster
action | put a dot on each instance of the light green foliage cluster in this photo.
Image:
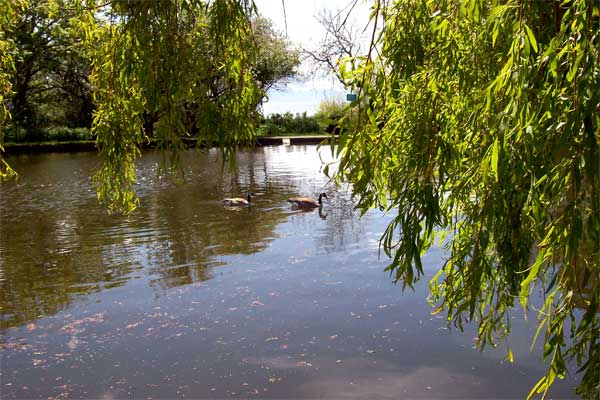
(276, 58)
(50, 85)
(337, 114)
(184, 65)
(8, 12)
(160, 69)
(480, 123)
(332, 108)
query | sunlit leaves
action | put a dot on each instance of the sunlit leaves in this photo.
(9, 11)
(167, 70)
(480, 120)
(160, 71)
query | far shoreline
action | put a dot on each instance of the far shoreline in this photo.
(11, 149)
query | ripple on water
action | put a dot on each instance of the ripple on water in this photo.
(187, 297)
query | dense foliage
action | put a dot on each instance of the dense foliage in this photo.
(277, 59)
(277, 124)
(337, 115)
(144, 70)
(8, 18)
(50, 81)
(479, 124)
(331, 117)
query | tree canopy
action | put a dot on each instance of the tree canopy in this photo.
(479, 126)
(50, 79)
(8, 18)
(159, 71)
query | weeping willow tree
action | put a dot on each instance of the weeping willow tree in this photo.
(479, 126)
(168, 68)
(169, 60)
(8, 17)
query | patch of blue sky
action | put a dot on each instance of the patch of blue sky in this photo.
(304, 31)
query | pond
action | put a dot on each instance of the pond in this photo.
(187, 298)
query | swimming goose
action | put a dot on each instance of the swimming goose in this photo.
(307, 202)
(238, 201)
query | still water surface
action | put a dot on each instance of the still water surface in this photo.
(188, 298)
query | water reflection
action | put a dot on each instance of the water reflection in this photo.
(57, 243)
(188, 298)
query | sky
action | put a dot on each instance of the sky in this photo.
(303, 30)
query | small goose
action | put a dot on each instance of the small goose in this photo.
(307, 202)
(238, 201)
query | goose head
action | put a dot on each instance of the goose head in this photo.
(321, 198)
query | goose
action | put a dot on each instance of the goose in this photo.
(307, 202)
(238, 201)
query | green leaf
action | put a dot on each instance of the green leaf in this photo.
(533, 273)
(531, 37)
(495, 33)
(495, 152)
(539, 387)
(509, 356)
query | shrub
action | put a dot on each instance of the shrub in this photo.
(19, 134)
(277, 124)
